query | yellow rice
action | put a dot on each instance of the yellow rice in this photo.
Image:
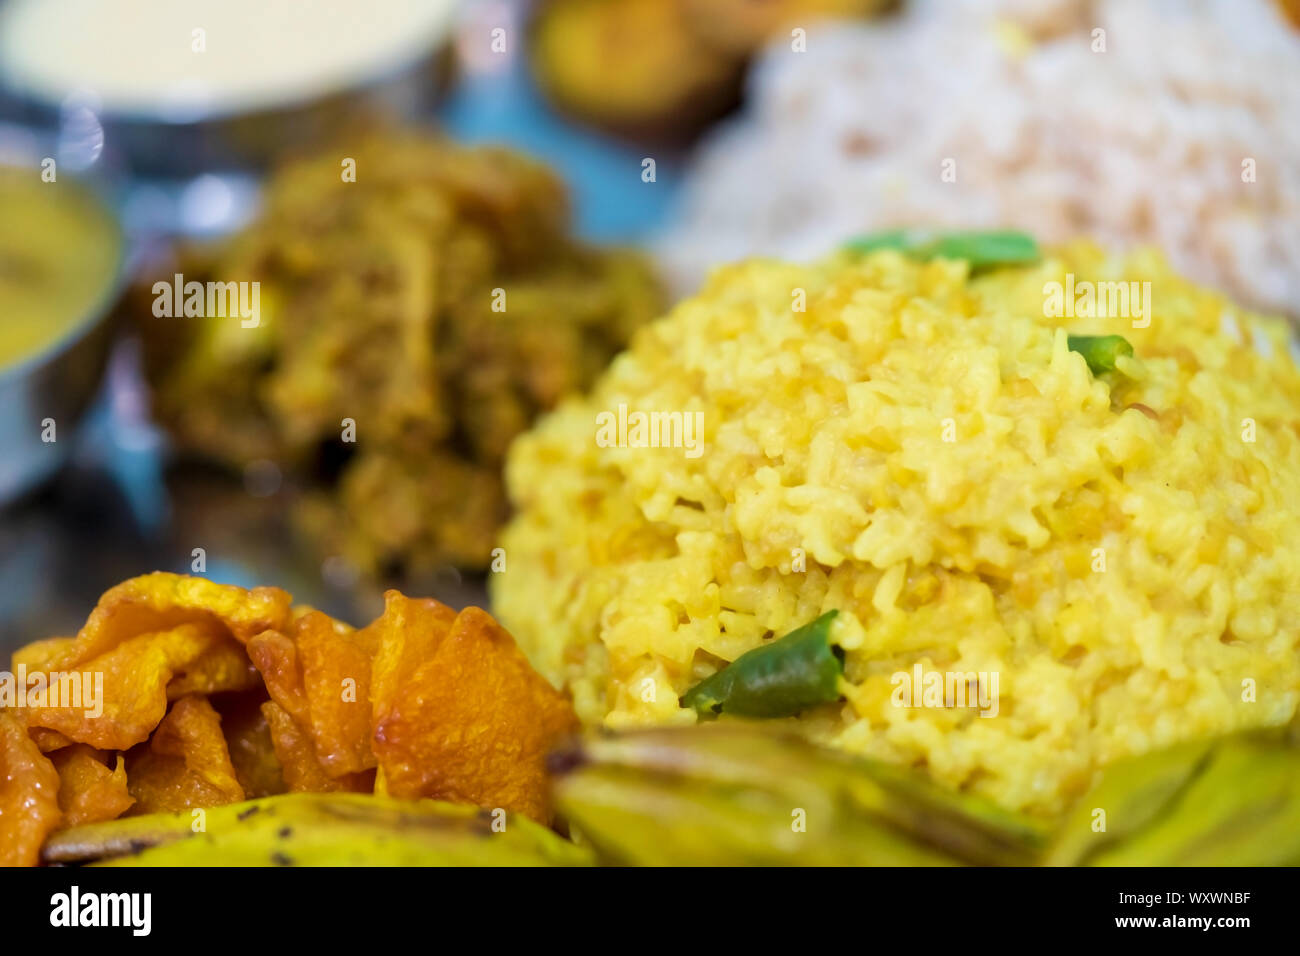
(1129, 573)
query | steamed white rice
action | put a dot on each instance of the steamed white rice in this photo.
(1143, 143)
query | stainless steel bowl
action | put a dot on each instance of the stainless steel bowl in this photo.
(202, 141)
(57, 382)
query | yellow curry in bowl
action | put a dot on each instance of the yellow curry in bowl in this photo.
(60, 251)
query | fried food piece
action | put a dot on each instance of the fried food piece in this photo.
(43, 655)
(275, 656)
(29, 794)
(320, 679)
(123, 693)
(48, 740)
(336, 682)
(302, 770)
(471, 723)
(159, 602)
(186, 763)
(438, 303)
(408, 634)
(248, 739)
(222, 667)
(89, 792)
(422, 702)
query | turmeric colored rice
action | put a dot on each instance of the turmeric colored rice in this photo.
(922, 450)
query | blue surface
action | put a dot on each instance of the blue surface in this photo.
(611, 203)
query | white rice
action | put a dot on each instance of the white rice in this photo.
(1141, 144)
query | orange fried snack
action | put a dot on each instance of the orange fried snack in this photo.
(160, 602)
(120, 696)
(222, 667)
(320, 677)
(248, 738)
(48, 740)
(406, 635)
(471, 722)
(140, 634)
(180, 693)
(186, 763)
(302, 771)
(335, 668)
(29, 801)
(88, 791)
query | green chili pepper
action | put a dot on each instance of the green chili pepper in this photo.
(779, 679)
(983, 250)
(1100, 351)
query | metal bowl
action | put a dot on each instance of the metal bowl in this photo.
(204, 141)
(57, 382)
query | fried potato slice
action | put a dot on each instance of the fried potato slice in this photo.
(158, 602)
(406, 635)
(29, 794)
(47, 740)
(132, 677)
(303, 773)
(88, 791)
(320, 675)
(473, 722)
(335, 669)
(225, 666)
(186, 764)
(275, 656)
(248, 738)
(424, 702)
(43, 655)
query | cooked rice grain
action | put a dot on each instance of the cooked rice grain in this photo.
(1141, 144)
(635, 572)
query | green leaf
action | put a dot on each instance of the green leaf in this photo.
(983, 250)
(779, 679)
(1100, 351)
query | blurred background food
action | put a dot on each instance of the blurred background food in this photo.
(439, 303)
(54, 273)
(197, 88)
(59, 275)
(659, 70)
(298, 52)
(195, 174)
(1180, 133)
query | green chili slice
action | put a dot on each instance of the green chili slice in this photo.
(983, 250)
(779, 679)
(1100, 351)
